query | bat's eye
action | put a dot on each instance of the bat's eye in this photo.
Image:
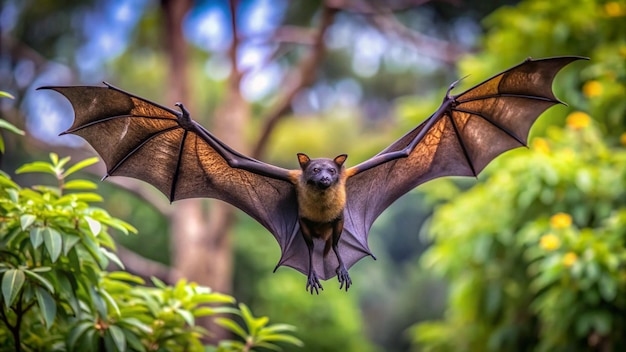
(316, 170)
(332, 171)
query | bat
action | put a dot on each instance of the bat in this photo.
(322, 205)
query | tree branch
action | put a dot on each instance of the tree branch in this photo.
(442, 50)
(236, 75)
(286, 37)
(146, 268)
(372, 8)
(143, 191)
(5, 319)
(382, 18)
(282, 34)
(301, 76)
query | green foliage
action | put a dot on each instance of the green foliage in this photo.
(256, 334)
(57, 295)
(6, 125)
(535, 256)
(329, 324)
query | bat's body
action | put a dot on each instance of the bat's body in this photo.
(322, 205)
(321, 195)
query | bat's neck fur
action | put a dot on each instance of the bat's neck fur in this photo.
(321, 206)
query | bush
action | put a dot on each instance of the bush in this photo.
(536, 255)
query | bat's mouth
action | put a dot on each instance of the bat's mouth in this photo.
(323, 184)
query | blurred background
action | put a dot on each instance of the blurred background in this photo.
(463, 264)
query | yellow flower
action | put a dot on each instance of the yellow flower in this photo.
(622, 139)
(614, 9)
(578, 120)
(541, 145)
(569, 259)
(561, 221)
(549, 242)
(592, 89)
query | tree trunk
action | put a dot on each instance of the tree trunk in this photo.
(201, 248)
(201, 245)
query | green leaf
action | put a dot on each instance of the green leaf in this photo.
(246, 314)
(112, 257)
(36, 236)
(227, 310)
(203, 311)
(41, 269)
(40, 279)
(279, 328)
(111, 301)
(118, 337)
(133, 342)
(80, 184)
(158, 283)
(47, 306)
(125, 276)
(53, 241)
(27, 220)
(95, 250)
(232, 326)
(12, 283)
(134, 322)
(37, 166)
(67, 287)
(77, 331)
(4, 94)
(59, 164)
(5, 181)
(120, 225)
(54, 157)
(80, 165)
(213, 297)
(9, 127)
(87, 197)
(94, 225)
(187, 316)
(69, 241)
(283, 338)
(99, 303)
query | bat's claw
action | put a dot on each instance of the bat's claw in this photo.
(313, 283)
(343, 277)
(453, 85)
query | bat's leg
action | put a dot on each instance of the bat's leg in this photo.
(342, 272)
(312, 283)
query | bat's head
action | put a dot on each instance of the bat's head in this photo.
(321, 173)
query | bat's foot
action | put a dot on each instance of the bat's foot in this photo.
(313, 283)
(343, 277)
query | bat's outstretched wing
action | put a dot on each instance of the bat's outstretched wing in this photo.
(459, 139)
(164, 147)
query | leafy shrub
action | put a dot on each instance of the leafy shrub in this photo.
(536, 255)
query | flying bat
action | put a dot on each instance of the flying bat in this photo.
(323, 205)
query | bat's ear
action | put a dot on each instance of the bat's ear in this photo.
(304, 160)
(340, 159)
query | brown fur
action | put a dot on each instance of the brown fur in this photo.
(321, 210)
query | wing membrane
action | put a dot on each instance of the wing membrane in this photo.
(460, 139)
(143, 140)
